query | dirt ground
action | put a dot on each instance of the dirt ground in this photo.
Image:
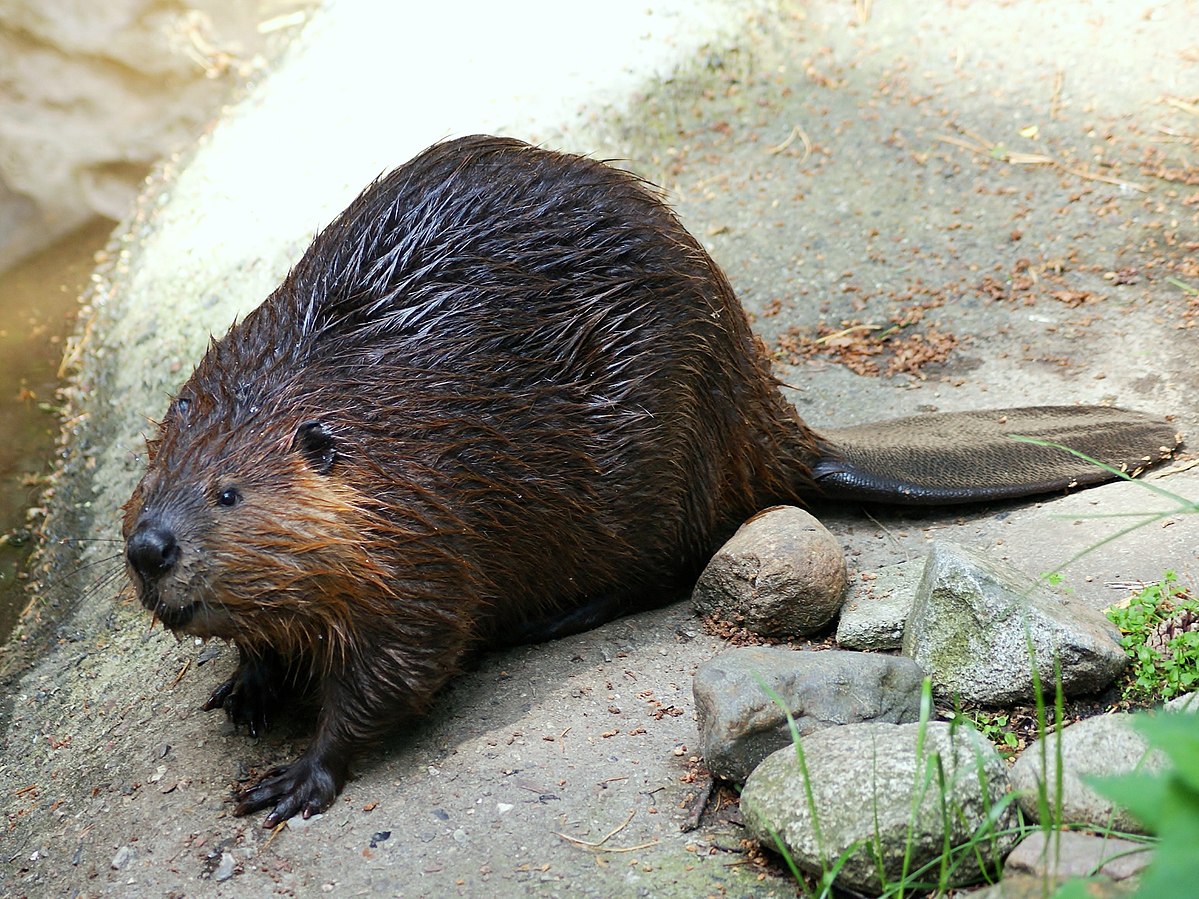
(923, 205)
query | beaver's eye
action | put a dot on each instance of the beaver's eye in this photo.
(230, 496)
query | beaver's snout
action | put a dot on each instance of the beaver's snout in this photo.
(152, 551)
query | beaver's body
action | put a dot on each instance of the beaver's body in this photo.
(505, 395)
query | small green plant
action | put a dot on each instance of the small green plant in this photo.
(1160, 633)
(995, 726)
(1054, 578)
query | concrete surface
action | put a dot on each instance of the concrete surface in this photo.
(842, 171)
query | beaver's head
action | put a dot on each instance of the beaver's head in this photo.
(241, 527)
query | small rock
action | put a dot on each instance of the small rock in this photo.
(740, 724)
(1102, 745)
(872, 791)
(211, 650)
(781, 574)
(121, 859)
(1026, 886)
(224, 870)
(973, 620)
(1187, 702)
(1070, 854)
(876, 612)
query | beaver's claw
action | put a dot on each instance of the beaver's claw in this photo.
(246, 697)
(305, 787)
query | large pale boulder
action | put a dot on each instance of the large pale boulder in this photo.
(94, 93)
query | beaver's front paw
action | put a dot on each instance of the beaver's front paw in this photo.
(305, 787)
(255, 690)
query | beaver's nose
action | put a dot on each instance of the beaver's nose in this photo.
(152, 550)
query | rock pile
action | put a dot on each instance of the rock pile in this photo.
(842, 767)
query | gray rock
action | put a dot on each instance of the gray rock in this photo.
(973, 620)
(1028, 886)
(872, 790)
(740, 724)
(224, 870)
(877, 610)
(1103, 745)
(1187, 702)
(781, 574)
(121, 859)
(1069, 854)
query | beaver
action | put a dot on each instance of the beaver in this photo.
(504, 396)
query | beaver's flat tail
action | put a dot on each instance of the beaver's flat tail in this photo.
(962, 457)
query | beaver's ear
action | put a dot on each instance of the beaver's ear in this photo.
(317, 444)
